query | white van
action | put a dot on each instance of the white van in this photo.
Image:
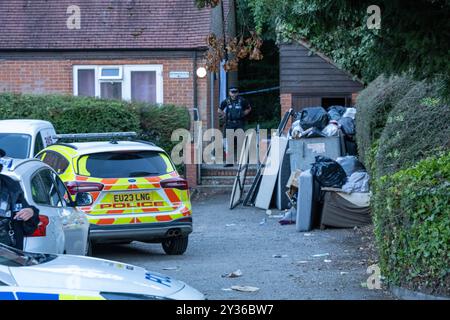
(22, 139)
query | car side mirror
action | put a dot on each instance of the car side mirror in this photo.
(83, 199)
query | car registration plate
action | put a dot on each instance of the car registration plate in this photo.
(132, 197)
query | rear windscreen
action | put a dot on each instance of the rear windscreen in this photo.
(123, 164)
(15, 145)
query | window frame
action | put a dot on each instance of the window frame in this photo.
(109, 78)
(125, 79)
(37, 175)
(60, 160)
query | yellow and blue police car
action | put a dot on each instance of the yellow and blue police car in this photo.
(37, 276)
(137, 192)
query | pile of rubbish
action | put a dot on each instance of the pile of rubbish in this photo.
(328, 185)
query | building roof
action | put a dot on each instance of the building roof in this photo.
(306, 72)
(105, 24)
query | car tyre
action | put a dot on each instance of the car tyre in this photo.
(175, 246)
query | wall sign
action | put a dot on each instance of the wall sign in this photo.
(179, 74)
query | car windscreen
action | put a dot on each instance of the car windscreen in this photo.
(16, 145)
(124, 164)
(11, 257)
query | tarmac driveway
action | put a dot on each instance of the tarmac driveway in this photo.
(282, 263)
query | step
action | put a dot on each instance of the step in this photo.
(224, 180)
(225, 171)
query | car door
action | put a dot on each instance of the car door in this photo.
(77, 226)
(44, 196)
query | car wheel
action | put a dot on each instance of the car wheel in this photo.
(175, 246)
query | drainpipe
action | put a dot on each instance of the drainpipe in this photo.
(198, 117)
(211, 93)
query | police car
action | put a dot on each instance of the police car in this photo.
(30, 276)
(137, 192)
(62, 227)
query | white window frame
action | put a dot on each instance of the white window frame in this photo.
(126, 79)
(126, 90)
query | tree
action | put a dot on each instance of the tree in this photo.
(414, 35)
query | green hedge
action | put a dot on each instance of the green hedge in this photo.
(411, 211)
(82, 115)
(417, 127)
(403, 134)
(374, 105)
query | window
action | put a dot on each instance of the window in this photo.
(15, 145)
(62, 190)
(86, 82)
(44, 190)
(110, 73)
(124, 164)
(142, 83)
(56, 161)
(143, 86)
(38, 144)
(111, 90)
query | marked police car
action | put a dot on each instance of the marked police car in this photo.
(62, 228)
(30, 276)
(138, 194)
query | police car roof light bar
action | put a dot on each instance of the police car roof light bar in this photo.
(106, 135)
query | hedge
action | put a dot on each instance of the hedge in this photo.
(403, 134)
(416, 128)
(71, 114)
(374, 105)
(412, 225)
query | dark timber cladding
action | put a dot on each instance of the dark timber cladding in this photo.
(303, 73)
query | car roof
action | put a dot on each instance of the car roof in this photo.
(83, 148)
(19, 165)
(24, 126)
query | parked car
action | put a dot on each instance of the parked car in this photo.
(22, 139)
(62, 228)
(137, 192)
(30, 276)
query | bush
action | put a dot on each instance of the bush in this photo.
(417, 127)
(374, 104)
(83, 115)
(157, 123)
(412, 225)
(71, 114)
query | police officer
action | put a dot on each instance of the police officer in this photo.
(17, 217)
(235, 108)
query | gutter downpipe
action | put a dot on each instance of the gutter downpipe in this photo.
(198, 118)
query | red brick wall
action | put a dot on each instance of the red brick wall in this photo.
(55, 76)
(286, 104)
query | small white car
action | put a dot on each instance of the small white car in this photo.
(62, 228)
(28, 276)
(22, 139)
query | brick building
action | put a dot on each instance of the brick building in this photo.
(138, 50)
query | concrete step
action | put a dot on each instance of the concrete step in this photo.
(207, 171)
(223, 180)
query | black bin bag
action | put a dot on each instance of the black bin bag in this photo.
(347, 125)
(328, 172)
(351, 164)
(313, 117)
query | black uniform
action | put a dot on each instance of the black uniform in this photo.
(234, 112)
(12, 200)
